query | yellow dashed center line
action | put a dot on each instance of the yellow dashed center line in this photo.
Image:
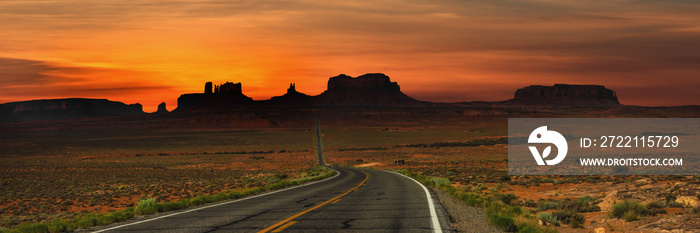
(288, 222)
(284, 226)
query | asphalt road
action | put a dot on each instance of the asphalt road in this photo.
(356, 200)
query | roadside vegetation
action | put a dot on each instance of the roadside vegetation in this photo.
(503, 211)
(66, 175)
(510, 213)
(151, 205)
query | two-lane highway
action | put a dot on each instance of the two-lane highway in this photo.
(355, 200)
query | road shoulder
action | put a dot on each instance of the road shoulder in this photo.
(462, 218)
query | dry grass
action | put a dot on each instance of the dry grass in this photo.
(57, 175)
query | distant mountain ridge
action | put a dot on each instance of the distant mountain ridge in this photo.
(377, 90)
(368, 90)
(50, 109)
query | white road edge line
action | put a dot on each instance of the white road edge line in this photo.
(435, 222)
(218, 204)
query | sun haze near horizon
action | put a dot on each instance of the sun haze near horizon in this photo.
(153, 51)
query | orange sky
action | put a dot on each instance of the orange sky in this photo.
(150, 51)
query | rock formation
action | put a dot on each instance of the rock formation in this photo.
(67, 108)
(162, 109)
(371, 81)
(292, 89)
(564, 94)
(368, 90)
(229, 87)
(189, 101)
(377, 90)
(208, 88)
(374, 89)
(224, 96)
(292, 97)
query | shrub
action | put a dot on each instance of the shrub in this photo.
(568, 217)
(514, 211)
(282, 176)
(129, 211)
(586, 199)
(86, 221)
(168, 206)
(695, 210)
(499, 186)
(657, 204)
(504, 223)
(479, 187)
(620, 209)
(576, 224)
(57, 226)
(440, 182)
(470, 199)
(581, 205)
(276, 186)
(550, 205)
(116, 216)
(675, 204)
(655, 208)
(547, 217)
(146, 206)
(670, 198)
(546, 180)
(630, 215)
(527, 228)
(195, 201)
(33, 227)
(505, 178)
(506, 198)
(530, 203)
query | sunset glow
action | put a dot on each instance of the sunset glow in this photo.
(152, 51)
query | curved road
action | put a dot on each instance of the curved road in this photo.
(356, 200)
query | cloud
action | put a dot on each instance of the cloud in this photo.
(22, 79)
(466, 46)
(21, 71)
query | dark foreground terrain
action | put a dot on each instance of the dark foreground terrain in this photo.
(59, 170)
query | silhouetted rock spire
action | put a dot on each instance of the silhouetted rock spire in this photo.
(162, 109)
(291, 98)
(208, 88)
